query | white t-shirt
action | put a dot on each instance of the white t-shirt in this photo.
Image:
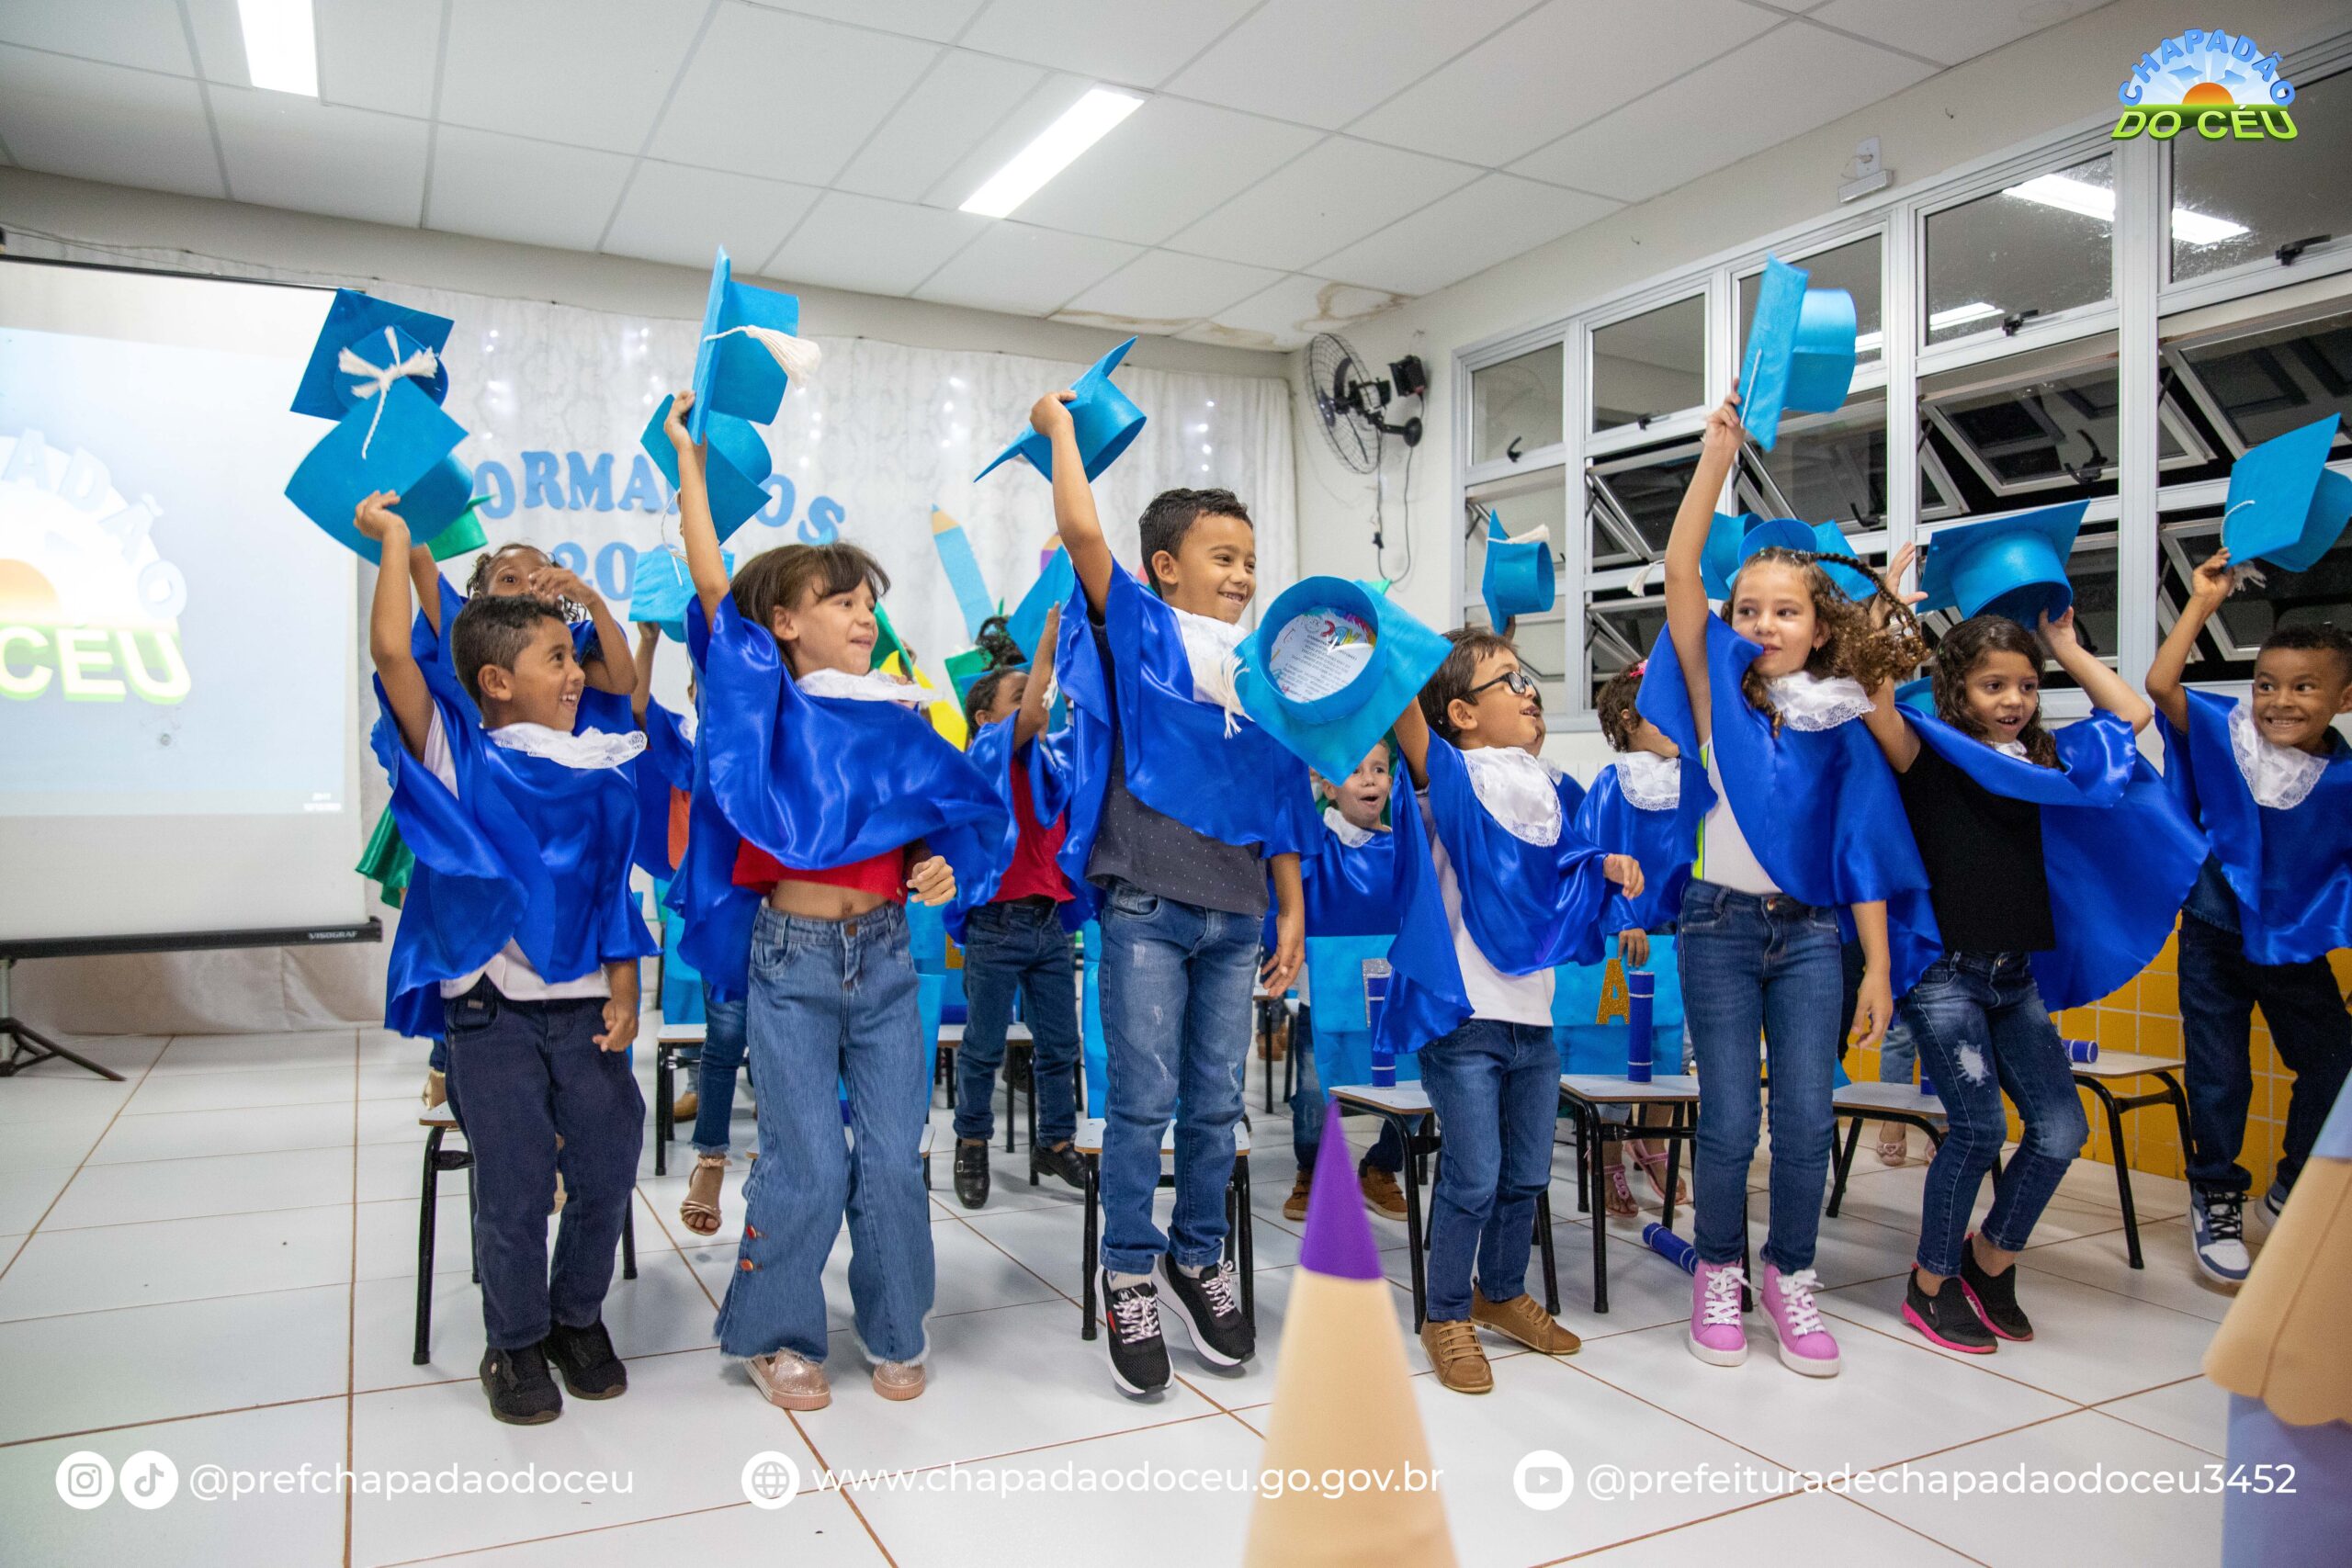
(1509, 999)
(1725, 858)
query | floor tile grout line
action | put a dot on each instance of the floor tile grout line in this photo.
(1191, 1420)
(563, 1535)
(1590, 1552)
(34, 1229)
(169, 1420)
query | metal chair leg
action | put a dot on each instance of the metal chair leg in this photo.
(427, 1215)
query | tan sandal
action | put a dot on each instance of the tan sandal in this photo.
(1653, 1164)
(699, 1212)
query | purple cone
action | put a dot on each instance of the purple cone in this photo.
(1338, 1237)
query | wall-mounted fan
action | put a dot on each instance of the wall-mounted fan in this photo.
(1352, 401)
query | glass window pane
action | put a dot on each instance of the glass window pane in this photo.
(2035, 248)
(2268, 381)
(1854, 268)
(1631, 502)
(2226, 651)
(1518, 401)
(2233, 201)
(2055, 433)
(1652, 364)
(1828, 468)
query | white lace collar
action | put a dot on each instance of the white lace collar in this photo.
(1519, 791)
(1649, 782)
(1213, 649)
(1346, 832)
(2279, 776)
(1808, 701)
(589, 749)
(689, 725)
(2012, 749)
(871, 687)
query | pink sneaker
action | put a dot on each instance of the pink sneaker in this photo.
(1805, 1345)
(1718, 1335)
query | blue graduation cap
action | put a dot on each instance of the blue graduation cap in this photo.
(2005, 566)
(2287, 506)
(1733, 540)
(659, 588)
(1919, 695)
(1800, 351)
(1329, 668)
(749, 348)
(400, 441)
(364, 345)
(735, 464)
(1517, 579)
(1027, 623)
(1106, 419)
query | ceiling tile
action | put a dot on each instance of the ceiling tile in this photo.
(105, 122)
(285, 150)
(785, 96)
(1292, 312)
(675, 214)
(379, 54)
(1466, 233)
(1165, 166)
(1946, 32)
(537, 193)
(1012, 266)
(938, 19)
(1160, 291)
(1137, 42)
(871, 245)
(965, 97)
(1325, 61)
(1706, 120)
(583, 72)
(1572, 62)
(1337, 193)
(144, 33)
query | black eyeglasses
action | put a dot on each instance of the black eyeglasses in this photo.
(1520, 682)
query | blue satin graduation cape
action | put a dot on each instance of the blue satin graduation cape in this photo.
(1427, 999)
(2117, 851)
(1819, 808)
(1528, 907)
(1048, 760)
(1665, 842)
(528, 850)
(815, 782)
(1243, 789)
(667, 764)
(2290, 870)
(1348, 891)
(435, 655)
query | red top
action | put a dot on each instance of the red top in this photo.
(884, 876)
(1033, 872)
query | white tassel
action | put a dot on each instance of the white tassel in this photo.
(1225, 689)
(799, 357)
(2245, 571)
(376, 380)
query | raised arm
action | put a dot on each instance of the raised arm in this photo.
(1686, 590)
(424, 573)
(606, 669)
(1074, 515)
(705, 563)
(649, 643)
(1031, 720)
(388, 623)
(1413, 739)
(2104, 686)
(1896, 739)
(2212, 584)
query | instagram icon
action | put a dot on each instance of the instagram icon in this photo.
(84, 1480)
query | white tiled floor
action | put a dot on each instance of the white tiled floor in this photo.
(216, 1259)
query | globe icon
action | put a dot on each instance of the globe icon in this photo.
(771, 1479)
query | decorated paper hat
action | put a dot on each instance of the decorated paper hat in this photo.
(366, 344)
(1330, 666)
(734, 470)
(1107, 420)
(1027, 623)
(1800, 351)
(749, 349)
(2287, 506)
(659, 588)
(1732, 541)
(2005, 566)
(1517, 579)
(400, 442)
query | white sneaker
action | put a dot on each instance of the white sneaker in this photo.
(2217, 1236)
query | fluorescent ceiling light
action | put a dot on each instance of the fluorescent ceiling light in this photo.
(2098, 201)
(1974, 311)
(281, 47)
(1083, 124)
(2203, 227)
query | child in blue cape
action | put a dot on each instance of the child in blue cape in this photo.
(1801, 821)
(1179, 807)
(2271, 781)
(823, 789)
(520, 932)
(1521, 892)
(2020, 830)
(1347, 878)
(1019, 940)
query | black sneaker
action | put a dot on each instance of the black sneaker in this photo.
(521, 1392)
(2274, 1202)
(1995, 1296)
(1946, 1318)
(1210, 1308)
(1064, 1161)
(971, 1173)
(1138, 1353)
(584, 1357)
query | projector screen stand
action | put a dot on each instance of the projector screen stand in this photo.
(28, 1047)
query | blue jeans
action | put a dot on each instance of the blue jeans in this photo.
(1176, 983)
(521, 1075)
(1008, 947)
(1496, 1090)
(2309, 1028)
(1979, 1022)
(722, 1057)
(1759, 965)
(834, 1001)
(1387, 1151)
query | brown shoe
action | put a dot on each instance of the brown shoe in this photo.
(437, 1088)
(898, 1380)
(1381, 1193)
(1521, 1319)
(1295, 1206)
(1453, 1351)
(683, 1109)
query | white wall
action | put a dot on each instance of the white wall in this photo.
(2052, 80)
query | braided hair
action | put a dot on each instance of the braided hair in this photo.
(1963, 649)
(1005, 658)
(1868, 646)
